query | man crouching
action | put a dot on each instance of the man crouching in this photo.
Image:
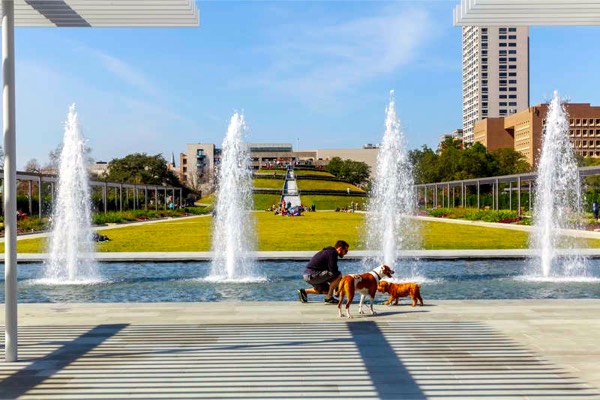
(322, 272)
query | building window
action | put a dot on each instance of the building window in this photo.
(502, 112)
(512, 37)
(512, 104)
(512, 52)
(502, 104)
(502, 52)
(502, 44)
(502, 37)
(502, 96)
(512, 29)
(512, 96)
(512, 81)
(512, 45)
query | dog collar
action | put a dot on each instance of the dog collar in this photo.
(378, 276)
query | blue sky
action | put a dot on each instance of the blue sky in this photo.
(318, 71)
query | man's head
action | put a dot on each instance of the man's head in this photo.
(342, 248)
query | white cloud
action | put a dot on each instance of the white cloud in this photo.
(125, 72)
(326, 59)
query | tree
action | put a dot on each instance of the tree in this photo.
(509, 162)
(334, 166)
(355, 172)
(425, 165)
(33, 166)
(140, 169)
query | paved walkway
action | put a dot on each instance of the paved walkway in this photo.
(521, 349)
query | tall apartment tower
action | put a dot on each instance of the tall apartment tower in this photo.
(495, 67)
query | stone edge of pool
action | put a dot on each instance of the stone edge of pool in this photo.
(306, 255)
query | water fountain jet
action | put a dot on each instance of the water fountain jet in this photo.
(557, 203)
(71, 245)
(390, 228)
(233, 226)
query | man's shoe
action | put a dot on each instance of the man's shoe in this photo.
(330, 300)
(302, 296)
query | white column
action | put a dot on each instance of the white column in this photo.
(10, 179)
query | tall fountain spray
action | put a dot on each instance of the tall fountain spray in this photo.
(233, 226)
(71, 244)
(390, 228)
(557, 202)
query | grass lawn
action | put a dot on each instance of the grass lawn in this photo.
(323, 202)
(268, 183)
(312, 231)
(325, 185)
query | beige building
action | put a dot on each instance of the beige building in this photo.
(523, 130)
(198, 164)
(495, 67)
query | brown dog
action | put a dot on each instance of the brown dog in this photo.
(365, 284)
(397, 290)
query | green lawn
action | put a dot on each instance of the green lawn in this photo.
(268, 183)
(305, 184)
(312, 231)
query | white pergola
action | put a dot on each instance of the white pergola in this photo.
(527, 12)
(60, 13)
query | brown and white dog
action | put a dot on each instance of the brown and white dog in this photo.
(397, 290)
(364, 284)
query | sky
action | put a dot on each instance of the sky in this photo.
(315, 74)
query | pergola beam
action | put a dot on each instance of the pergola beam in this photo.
(527, 12)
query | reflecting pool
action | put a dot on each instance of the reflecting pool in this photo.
(186, 282)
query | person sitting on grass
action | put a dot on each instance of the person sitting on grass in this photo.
(323, 274)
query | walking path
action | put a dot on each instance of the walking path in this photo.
(509, 349)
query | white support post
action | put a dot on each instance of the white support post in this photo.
(10, 179)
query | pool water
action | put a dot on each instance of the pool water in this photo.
(186, 282)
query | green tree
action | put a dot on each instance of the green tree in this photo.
(334, 166)
(140, 169)
(425, 165)
(355, 172)
(509, 162)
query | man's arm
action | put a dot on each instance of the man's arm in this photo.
(332, 262)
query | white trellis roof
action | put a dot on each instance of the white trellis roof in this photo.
(106, 13)
(527, 12)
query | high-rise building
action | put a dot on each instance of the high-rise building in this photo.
(495, 67)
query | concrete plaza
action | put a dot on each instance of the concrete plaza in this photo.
(510, 349)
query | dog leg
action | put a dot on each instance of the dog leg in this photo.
(350, 298)
(396, 302)
(389, 302)
(371, 304)
(360, 305)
